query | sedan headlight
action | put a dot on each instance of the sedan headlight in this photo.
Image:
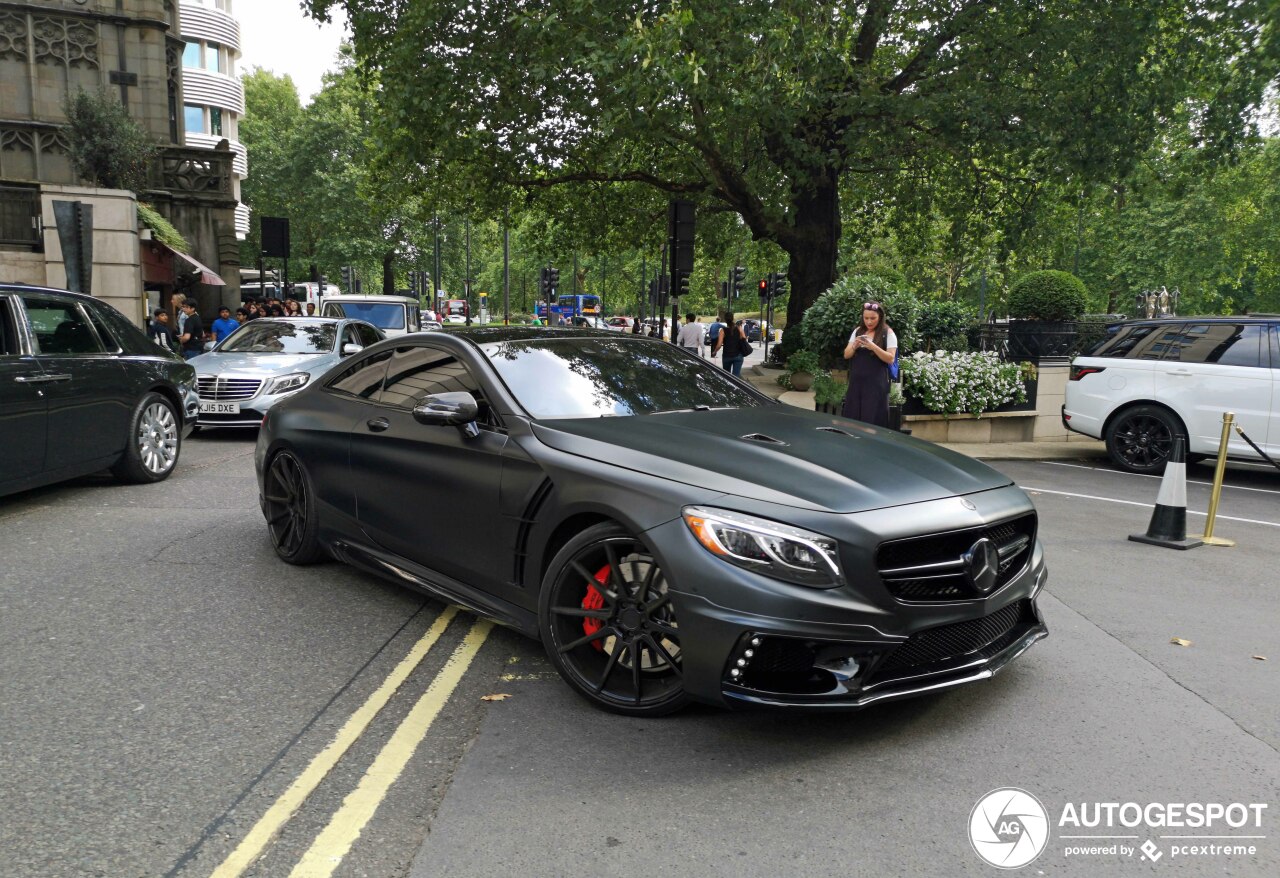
(287, 383)
(768, 547)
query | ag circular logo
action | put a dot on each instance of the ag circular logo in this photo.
(1008, 828)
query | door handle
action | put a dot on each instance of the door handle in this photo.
(377, 425)
(39, 379)
(1182, 373)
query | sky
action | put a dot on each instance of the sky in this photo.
(275, 35)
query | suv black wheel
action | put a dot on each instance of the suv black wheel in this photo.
(1140, 439)
(155, 438)
(608, 625)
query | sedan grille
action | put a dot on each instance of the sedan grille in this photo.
(987, 636)
(219, 389)
(931, 568)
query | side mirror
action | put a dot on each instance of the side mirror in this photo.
(454, 409)
(348, 349)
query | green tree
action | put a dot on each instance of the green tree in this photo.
(108, 148)
(770, 110)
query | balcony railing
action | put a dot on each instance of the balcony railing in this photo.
(197, 171)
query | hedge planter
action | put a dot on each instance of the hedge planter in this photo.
(1037, 340)
(915, 406)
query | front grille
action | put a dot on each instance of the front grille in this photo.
(987, 636)
(930, 568)
(215, 388)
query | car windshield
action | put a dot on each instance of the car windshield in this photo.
(281, 337)
(611, 377)
(384, 315)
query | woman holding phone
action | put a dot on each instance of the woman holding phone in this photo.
(870, 351)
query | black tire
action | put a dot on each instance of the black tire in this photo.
(290, 509)
(154, 442)
(1140, 438)
(616, 642)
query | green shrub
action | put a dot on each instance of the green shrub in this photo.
(161, 228)
(107, 147)
(830, 321)
(943, 325)
(804, 361)
(1048, 295)
(827, 390)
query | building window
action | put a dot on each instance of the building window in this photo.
(195, 119)
(191, 55)
(212, 58)
(215, 121)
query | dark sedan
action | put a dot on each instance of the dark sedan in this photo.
(667, 532)
(82, 389)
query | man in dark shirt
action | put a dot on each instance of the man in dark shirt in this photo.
(192, 337)
(161, 332)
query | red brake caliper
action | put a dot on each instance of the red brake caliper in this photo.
(594, 600)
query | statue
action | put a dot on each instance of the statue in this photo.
(1162, 302)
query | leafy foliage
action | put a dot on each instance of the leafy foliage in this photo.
(161, 228)
(1048, 295)
(951, 382)
(108, 148)
(943, 325)
(828, 390)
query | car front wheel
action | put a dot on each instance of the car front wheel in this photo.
(608, 624)
(155, 438)
(1140, 439)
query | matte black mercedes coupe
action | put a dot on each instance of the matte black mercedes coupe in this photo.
(667, 531)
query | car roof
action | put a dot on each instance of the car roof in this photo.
(1209, 318)
(350, 297)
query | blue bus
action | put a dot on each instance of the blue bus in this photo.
(573, 306)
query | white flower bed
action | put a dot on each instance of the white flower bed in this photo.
(952, 382)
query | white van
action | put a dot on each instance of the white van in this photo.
(394, 315)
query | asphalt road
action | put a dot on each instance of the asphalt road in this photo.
(174, 702)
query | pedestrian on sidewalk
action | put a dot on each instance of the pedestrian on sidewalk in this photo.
(690, 337)
(732, 344)
(192, 337)
(870, 352)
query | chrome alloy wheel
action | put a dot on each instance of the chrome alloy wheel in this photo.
(158, 438)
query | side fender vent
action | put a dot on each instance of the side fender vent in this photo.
(527, 520)
(761, 437)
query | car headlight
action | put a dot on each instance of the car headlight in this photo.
(288, 383)
(767, 547)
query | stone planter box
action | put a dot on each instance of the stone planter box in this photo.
(991, 427)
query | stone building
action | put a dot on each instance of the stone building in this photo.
(134, 49)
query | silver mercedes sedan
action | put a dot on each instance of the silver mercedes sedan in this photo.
(268, 359)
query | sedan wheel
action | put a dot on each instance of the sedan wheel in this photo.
(154, 442)
(608, 624)
(1140, 439)
(290, 510)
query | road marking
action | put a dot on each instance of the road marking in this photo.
(1099, 469)
(1147, 505)
(270, 824)
(335, 840)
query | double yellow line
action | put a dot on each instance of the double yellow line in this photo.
(335, 840)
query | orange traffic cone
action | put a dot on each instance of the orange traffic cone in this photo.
(1168, 526)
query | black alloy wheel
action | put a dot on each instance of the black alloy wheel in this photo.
(155, 440)
(1140, 439)
(608, 624)
(290, 511)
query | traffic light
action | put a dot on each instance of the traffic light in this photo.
(324, 286)
(779, 284)
(544, 284)
(724, 290)
(347, 284)
(553, 283)
(682, 284)
(766, 288)
(413, 284)
(739, 273)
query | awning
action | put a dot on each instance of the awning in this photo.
(193, 266)
(207, 275)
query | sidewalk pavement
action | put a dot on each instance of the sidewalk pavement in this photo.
(766, 381)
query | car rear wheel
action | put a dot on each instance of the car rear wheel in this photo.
(290, 509)
(1140, 439)
(155, 439)
(608, 624)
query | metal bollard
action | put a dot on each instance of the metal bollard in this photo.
(1219, 471)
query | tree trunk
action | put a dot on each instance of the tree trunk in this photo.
(813, 246)
(389, 273)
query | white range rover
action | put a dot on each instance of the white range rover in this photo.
(1153, 379)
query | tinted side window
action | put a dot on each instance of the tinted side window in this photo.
(1133, 343)
(368, 335)
(60, 327)
(362, 378)
(9, 346)
(106, 335)
(416, 372)
(1275, 346)
(1224, 344)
